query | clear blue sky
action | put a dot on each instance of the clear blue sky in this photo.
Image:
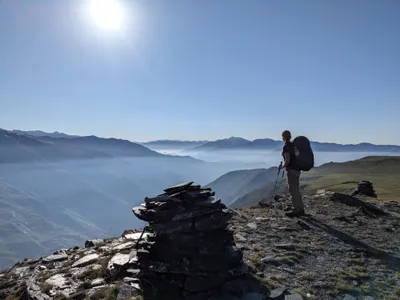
(188, 69)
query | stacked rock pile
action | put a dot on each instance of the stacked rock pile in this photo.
(190, 253)
(365, 188)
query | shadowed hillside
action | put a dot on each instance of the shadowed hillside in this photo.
(236, 184)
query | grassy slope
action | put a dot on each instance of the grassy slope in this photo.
(382, 171)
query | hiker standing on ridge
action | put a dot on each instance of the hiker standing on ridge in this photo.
(293, 174)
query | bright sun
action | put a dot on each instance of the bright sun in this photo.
(107, 14)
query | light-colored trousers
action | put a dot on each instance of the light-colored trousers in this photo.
(293, 180)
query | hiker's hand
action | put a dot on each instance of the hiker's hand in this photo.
(280, 166)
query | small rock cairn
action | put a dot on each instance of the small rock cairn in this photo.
(190, 254)
(365, 188)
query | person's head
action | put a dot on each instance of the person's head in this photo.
(286, 136)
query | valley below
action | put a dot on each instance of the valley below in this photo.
(57, 192)
(48, 206)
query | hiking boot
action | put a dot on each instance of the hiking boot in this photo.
(301, 212)
(294, 213)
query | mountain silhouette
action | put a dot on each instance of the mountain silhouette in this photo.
(16, 147)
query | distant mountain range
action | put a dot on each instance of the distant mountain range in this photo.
(37, 145)
(173, 144)
(16, 147)
(40, 133)
(237, 143)
(232, 143)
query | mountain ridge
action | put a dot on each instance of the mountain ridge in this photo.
(232, 142)
(41, 133)
(237, 143)
(15, 147)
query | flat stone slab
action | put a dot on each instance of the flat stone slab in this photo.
(134, 272)
(86, 260)
(76, 272)
(178, 187)
(127, 245)
(55, 257)
(57, 280)
(97, 282)
(135, 236)
(118, 260)
(130, 280)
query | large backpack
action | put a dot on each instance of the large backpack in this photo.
(304, 153)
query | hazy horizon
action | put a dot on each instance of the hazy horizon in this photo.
(277, 138)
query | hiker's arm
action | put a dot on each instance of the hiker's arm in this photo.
(286, 156)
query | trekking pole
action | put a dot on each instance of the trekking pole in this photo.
(277, 178)
(140, 238)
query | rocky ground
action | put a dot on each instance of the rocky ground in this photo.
(100, 270)
(336, 251)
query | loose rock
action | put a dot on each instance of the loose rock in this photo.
(118, 260)
(365, 188)
(57, 280)
(86, 260)
(93, 243)
(55, 257)
(97, 282)
(252, 225)
(277, 294)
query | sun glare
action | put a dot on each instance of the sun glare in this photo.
(107, 14)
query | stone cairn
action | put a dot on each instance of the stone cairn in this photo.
(189, 253)
(365, 188)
